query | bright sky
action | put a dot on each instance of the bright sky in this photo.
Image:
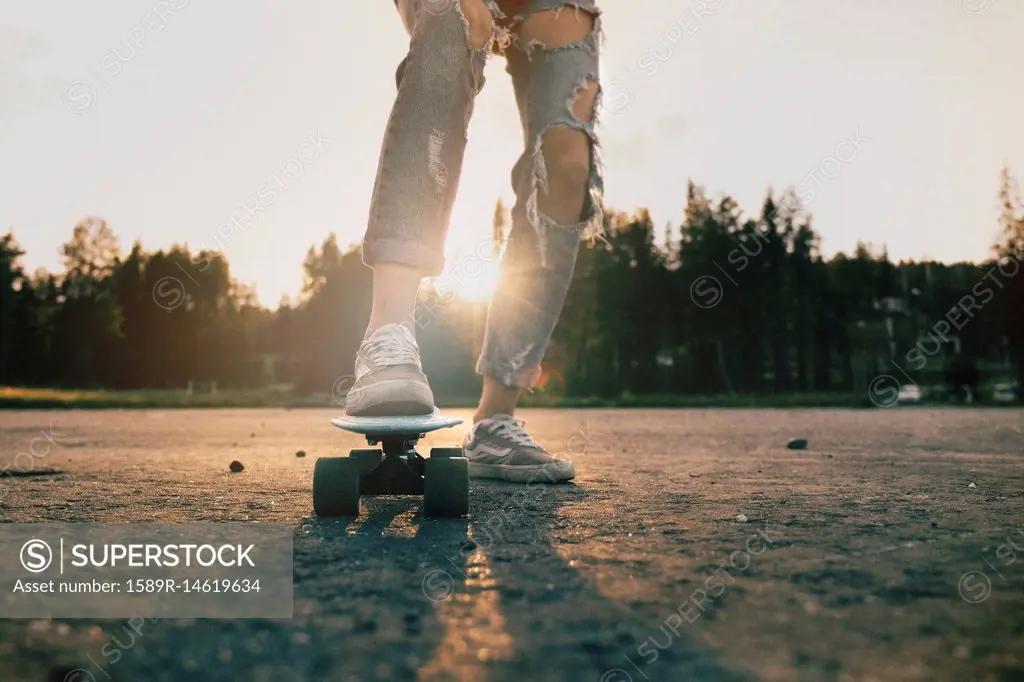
(170, 137)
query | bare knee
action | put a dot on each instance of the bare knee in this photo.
(567, 159)
(480, 23)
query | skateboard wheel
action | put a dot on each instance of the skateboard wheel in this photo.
(367, 458)
(446, 452)
(336, 486)
(446, 486)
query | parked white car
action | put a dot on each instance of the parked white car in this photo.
(910, 394)
(1004, 393)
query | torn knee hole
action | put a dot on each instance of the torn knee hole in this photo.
(479, 23)
(556, 27)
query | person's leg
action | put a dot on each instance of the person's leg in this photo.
(423, 148)
(559, 186)
(417, 179)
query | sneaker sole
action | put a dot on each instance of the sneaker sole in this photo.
(524, 473)
(390, 398)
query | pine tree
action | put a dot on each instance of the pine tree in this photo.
(1010, 251)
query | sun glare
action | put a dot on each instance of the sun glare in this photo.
(470, 273)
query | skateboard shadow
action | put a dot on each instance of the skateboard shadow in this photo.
(394, 595)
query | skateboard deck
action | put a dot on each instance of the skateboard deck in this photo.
(396, 426)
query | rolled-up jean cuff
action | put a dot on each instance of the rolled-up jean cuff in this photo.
(413, 254)
(525, 377)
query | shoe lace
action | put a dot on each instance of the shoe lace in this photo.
(512, 429)
(390, 350)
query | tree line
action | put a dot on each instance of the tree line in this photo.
(720, 303)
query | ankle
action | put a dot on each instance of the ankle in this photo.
(496, 399)
(484, 413)
(374, 325)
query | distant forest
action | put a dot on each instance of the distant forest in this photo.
(720, 304)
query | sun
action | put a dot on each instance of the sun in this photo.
(470, 272)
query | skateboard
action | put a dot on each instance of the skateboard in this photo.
(393, 468)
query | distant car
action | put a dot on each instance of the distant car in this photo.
(1004, 393)
(910, 394)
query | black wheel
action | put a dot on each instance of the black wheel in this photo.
(336, 486)
(446, 486)
(446, 452)
(367, 458)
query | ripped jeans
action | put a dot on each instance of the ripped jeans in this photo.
(421, 163)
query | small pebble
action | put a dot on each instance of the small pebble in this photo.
(300, 453)
(236, 466)
(742, 518)
(696, 474)
(972, 486)
(797, 444)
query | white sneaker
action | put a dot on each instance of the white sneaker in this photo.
(389, 378)
(498, 447)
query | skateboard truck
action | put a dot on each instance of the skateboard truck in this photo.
(400, 472)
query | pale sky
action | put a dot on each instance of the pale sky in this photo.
(171, 134)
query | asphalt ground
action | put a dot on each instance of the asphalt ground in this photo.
(693, 545)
